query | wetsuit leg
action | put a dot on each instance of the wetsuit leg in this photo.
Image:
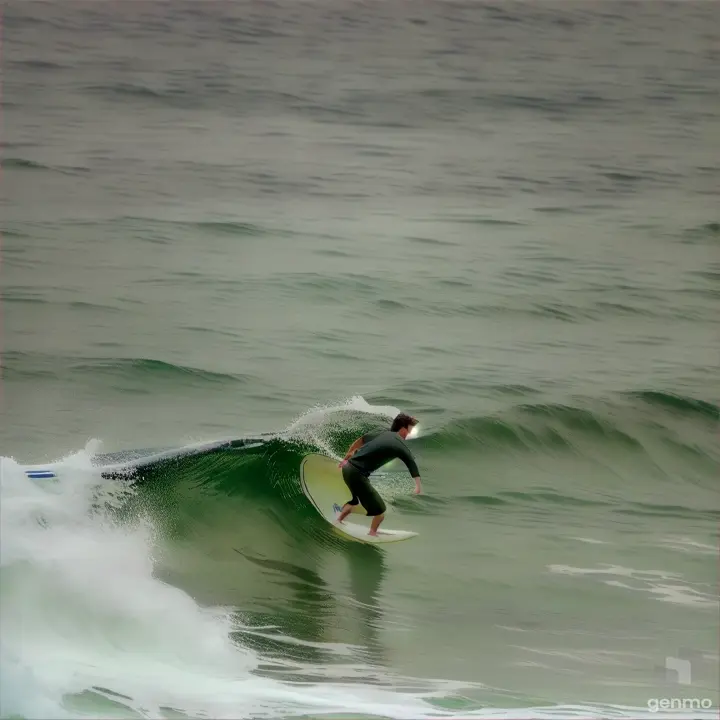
(348, 476)
(363, 491)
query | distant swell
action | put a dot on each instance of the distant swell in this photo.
(155, 368)
(549, 498)
(18, 163)
(635, 421)
(133, 370)
(21, 163)
(679, 404)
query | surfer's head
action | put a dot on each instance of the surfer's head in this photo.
(403, 424)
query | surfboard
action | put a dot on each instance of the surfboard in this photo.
(322, 482)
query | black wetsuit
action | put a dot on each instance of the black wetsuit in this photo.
(378, 448)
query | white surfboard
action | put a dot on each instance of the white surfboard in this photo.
(322, 482)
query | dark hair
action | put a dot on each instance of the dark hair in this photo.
(402, 421)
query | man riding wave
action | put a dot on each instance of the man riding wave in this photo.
(368, 453)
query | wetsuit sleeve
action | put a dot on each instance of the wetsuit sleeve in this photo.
(409, 460)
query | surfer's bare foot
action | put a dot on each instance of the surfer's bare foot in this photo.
(375, 524)
(346, 510)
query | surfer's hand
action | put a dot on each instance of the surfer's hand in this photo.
(342, 463)
(418, 486)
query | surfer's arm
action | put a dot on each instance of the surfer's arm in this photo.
(409, 461)
(353, 448)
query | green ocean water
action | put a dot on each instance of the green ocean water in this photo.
(235, 233)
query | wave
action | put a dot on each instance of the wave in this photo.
(105, 635)
(630, 422)
(18, 163)
(262, 470)
(227, 227)
(679, 403)
(4, 232)
(545, 498)
(127, 370)
(702, 234)
(12, 162)
(599, 304)
(109, 628)
(204, 562)
(37, 64)
(259, 474)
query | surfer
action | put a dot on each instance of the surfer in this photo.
(365, 456)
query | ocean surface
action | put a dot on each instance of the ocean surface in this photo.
(234, 233)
